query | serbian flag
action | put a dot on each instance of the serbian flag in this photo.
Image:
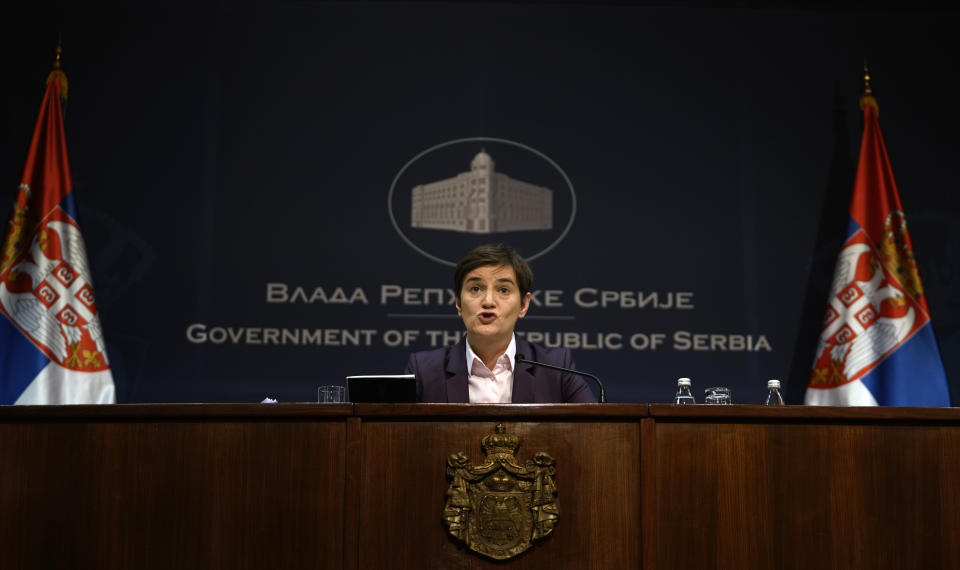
(51, 344)
(877, 345)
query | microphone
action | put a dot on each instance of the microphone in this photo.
(603, 395)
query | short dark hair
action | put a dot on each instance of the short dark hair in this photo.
(494, 254)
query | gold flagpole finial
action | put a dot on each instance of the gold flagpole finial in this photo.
(866, 92)
(57, 69)
(58, 53)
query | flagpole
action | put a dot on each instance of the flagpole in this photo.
(866, 92)
(58, 74)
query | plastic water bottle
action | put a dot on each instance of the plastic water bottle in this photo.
(773, 393)
(684, 394)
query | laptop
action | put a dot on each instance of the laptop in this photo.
(382, 388)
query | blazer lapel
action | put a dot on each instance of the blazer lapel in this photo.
(456, 370)
(523, 380)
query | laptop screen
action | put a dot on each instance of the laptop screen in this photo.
(382, 388)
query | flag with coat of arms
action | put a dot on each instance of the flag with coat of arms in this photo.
(877, 345)
(52, 348)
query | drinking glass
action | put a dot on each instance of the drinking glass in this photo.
(717, 395)
(331, 394)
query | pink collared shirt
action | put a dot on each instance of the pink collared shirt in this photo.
(491, 386)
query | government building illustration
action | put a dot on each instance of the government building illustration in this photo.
(481, 201)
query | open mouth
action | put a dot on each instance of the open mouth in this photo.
(487, 318)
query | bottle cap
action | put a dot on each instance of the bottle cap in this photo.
(773, 383)
(683, 381)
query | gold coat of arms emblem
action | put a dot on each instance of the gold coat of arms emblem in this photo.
(499, 508)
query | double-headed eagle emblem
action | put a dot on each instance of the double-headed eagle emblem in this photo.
(500, 507)
(46, 290)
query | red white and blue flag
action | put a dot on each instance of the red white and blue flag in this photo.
(877, 345)
(51, 344)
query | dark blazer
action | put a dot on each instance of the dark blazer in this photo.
(442, 376)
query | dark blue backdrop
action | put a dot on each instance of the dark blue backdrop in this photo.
(218, 149)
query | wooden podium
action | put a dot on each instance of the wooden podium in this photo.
(284, 486)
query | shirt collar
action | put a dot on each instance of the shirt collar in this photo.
(511, 354)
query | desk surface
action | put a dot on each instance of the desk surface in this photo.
(228, 411)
